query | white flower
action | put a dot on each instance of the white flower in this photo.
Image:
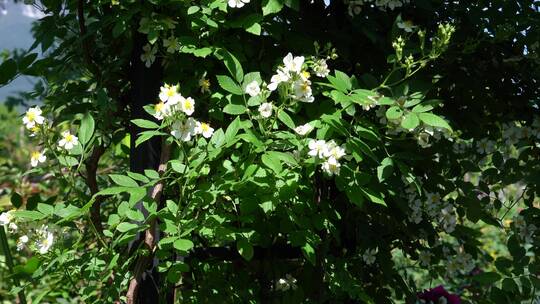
(448, 218)
(253, 89)
(149, 55)
(331, 166)
(334, 151)
(68, 140)
(204, 83)
(486, 146)
(187, 105)
(45, 240)
(21, 242)
(432, 198)
(282, 285)
(161, 110)
(318, 148)
(302, 90)
(33, 117)
(293, 64)
(369, 256)
(37, 157)
(281, 76)
(424, 258)
(171, 44)
(204, 129)
(184, 131)
(169, 94)
(237, 3)
(6, 218)
(321, 68)
(265, 109)
(406, 25)
(303, 129)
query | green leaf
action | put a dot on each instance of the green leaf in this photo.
(123, 180)
(183, 244)
(145, 124)
(255, 29)
(422, 108)
(87, 128)
(16, 199)
(152, 174)
(192, 10)
(271, 7)
(232, 130)
(394, 112)
(172, 206)
(113, 191)
(373, 196)
(8, 70)
(487, 278)
(28, 214)
(123, 227)
(385, 169)
(234, 109)
(272, 162)
(340, 81)
(309, 253)
(177, 166)
(232, 64)
(410, 121)
(229, 85)
(45, 209)
(286, 119)
(434, 120)
(245, 249)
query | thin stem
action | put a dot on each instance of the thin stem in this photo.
(9, 262)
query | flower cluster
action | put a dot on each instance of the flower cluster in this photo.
(284, 284)
(296, 79)
(176, 108)
(43, 236)
(433, 208)
(329, 152)
(460, 262)
(35, 122)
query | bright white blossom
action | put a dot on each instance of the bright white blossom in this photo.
(184, 131)
(37, 157)
(253, 89)
(318, 148)
(237, 3)
(160, 110)
(33, 117)
(331, 166)
(265, 109)
(169, 94)
(334, 151)
(279, 77)
(21, 242)
(149, 55)
(204, 129)
(68, 140)
(45, 239)
(302, 90)
(6, 218)
(293, 64)
(303, 129)
(187, 105)
(284, 284)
